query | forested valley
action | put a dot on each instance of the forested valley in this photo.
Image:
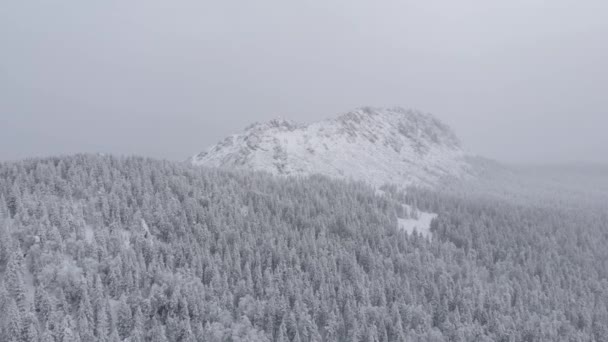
(108, 249)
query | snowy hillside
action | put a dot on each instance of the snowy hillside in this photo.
(105, 249)
(374, 145)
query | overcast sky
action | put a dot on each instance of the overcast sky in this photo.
(518, 80)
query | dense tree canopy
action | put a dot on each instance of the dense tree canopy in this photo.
(113, 249)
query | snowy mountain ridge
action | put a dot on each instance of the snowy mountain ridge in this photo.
(375, 145)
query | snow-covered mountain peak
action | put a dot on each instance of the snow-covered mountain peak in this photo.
(419, 127)
(375, 145)
(276, 123)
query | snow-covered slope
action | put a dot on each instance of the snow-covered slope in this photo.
(374, 145)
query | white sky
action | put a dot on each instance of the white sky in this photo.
(519, 80)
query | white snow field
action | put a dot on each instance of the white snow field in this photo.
(420, 224)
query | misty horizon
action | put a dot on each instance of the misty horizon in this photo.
(522, 82)
(45, 151)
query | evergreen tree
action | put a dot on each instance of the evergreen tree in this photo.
(124, 323)
(14, 281)
(282, 333)
(12, 319)
(68, 332)
(102, 325)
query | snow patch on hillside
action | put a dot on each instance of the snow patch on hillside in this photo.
(421, 223)
(89, 234)
(125, 236)
(145, 226)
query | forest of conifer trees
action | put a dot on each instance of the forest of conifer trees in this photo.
(100, 248)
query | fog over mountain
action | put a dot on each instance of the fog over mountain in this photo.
(520, 81)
